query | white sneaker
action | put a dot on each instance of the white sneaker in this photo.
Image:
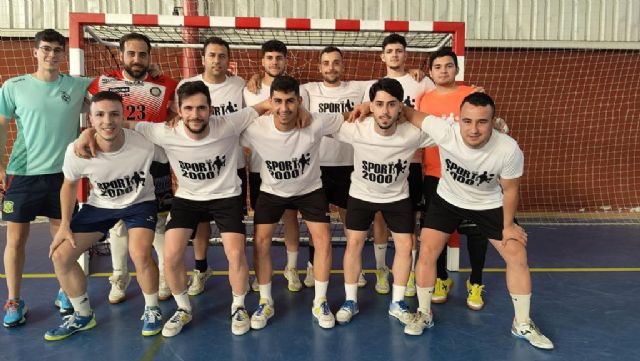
(382, 280)
(347, 311)
(240, 322)
(262, 314)
(400, 310)
(164, 292)
(309, 280)
(176, 323)
(531, 333)
(361, 280)
(419, 323)
(322, 313)
(197, 281)
(255, 286)
(294, 284)
(119, 284)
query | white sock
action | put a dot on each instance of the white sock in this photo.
(309, 264)
(321, 290)
(351, 291)
(158, 245)
(265, 292)
(238, 301)
(292, 259)
(118, 240)
(182, 300)
(380, 253)
(424, 299)
(397, 294)
(150, 300)
(521, 305)
(81, 305)
(413, 259)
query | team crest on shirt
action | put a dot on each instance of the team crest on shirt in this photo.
(65, 96)
(7, 207)
(155, 91)
(289, 169)
(209, 169)
(121, 186)
(468, 177)
(338, 107)
(383, 173)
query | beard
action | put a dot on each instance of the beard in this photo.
(197, 131)
(137, 74)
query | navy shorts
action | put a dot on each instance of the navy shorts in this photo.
(29, 196)
(93, 219)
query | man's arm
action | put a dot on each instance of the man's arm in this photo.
(68, 193)
(4, 127)
(511, 231)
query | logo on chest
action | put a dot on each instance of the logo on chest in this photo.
(289, 169)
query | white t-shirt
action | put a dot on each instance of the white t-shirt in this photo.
(118, 179)
(226, 98)
(201, 166)
(470, 176)
(291, 164)
(412, 91)
(255, 162)
(381, 163)
(318, 98)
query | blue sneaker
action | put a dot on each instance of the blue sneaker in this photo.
(63, 304)
(400, 310)
(347, 311)
(71, 325)
(14, 313)
(152, 318)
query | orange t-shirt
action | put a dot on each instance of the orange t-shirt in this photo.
(435, 103)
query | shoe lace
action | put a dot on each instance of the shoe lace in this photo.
(177, 317)
(118, 281)
(239, 314)
(324, 308)
(476, 289)
(151, 315)
(11, 306)
(349, 306)
(403, 306)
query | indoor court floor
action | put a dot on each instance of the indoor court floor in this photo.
(586, 289)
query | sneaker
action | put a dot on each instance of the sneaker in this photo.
(474, 296)
(400, 310)
(309, 280)
(71, 325)
(196, 284)
(441, 290)
(152, 318)
(322, 313)
(419, 323)
(347, 311)
(240, 322)
(262, 314)
(255, 286)
(63, 304)
(294, 284)
(119, 284)
(361, 280)
(531, 333)
(176, 323)
(410, 291)
(164, 292)
(382, 280)
(14, 313)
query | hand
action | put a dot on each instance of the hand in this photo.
(417, 74)
(254, 83)
(86, 146)
(478, 89)
(3, 174)
(304, 118)
(360, 112)
(501, 125)
(172, 122)
(154, 70)
(514, 232)
(63, 234)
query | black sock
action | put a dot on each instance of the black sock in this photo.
(201, 265)
(312, 252)
(441, 265)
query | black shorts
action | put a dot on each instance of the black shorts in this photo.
(226, 212)
(313, 206)
(254, 188)
(242, 174)
(336, 182)
(415, 186)
(399, 215)
(29, 196)
(445, 217)
(161, 173)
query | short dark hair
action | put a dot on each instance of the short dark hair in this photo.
(135, 36)
(394, 39)
(217, 41)
(50, 36)
(481, 100)
(285, 84)
(191, 88)
(106, 95)
(388, 85)
(441, 53)
(330, 49)
(274, 45)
